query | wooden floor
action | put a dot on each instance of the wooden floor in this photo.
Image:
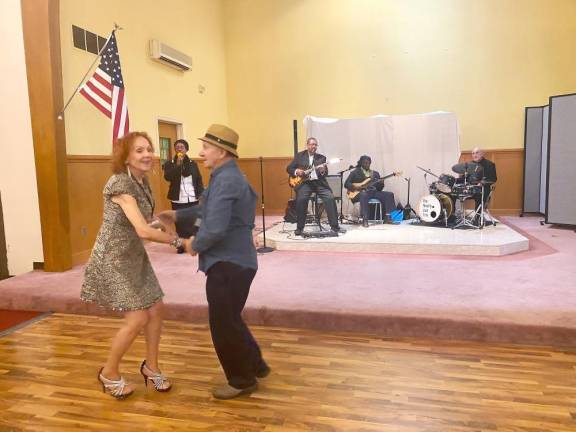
(320, 382)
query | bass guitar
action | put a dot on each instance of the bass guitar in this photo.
(295, 181)
(369, 182)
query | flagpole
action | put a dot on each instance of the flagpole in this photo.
(61, 113)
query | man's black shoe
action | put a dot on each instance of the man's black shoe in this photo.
(263, 372)
(338, 230)
(298, 232)
(365, 224)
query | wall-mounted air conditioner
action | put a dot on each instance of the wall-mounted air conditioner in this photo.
(169, 56)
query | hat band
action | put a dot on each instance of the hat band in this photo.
(220, 141)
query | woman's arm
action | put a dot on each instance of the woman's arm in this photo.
(143, 230)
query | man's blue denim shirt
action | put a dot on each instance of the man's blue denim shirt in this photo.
(227, 208)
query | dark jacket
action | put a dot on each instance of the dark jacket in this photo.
(489, 170)
(227, 210)
(173, 173)
(302, 161)
(357, 176)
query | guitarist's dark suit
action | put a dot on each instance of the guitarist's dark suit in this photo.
(302, 161)
(385, 198)
(305, 189)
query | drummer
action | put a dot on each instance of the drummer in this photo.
(480, 171)
(488, 175)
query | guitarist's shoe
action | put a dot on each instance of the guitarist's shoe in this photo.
(298, 232)
(338, 230)
(365, 224)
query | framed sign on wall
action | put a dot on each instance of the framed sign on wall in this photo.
(164, 150)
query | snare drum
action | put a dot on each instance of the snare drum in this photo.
(467, 190)
(433, 208)
(445, 183)
(475, 177)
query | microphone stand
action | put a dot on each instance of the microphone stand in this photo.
(263, 249)
(341, 174)
(408, 208)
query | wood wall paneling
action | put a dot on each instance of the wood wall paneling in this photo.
(276, 189)
(87, 176)
(159, 187)
(41, 28)
(507, 199)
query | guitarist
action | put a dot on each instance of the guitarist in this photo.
(360, 174)
(314, 182)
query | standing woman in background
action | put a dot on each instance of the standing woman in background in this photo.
(185, 185)
(119, 275)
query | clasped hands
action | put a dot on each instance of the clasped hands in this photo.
(165, 221)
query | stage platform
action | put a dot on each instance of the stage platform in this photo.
(492, 240)
(526, 297)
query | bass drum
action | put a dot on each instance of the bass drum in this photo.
(432, 208)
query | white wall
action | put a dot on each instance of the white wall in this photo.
(17, 168)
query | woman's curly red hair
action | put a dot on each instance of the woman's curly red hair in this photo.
(122, 148)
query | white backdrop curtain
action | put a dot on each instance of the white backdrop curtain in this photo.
(395, 143)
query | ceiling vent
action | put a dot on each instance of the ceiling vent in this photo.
(169, 56)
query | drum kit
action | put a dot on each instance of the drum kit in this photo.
(440, 205)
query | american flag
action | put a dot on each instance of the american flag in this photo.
(105, 90)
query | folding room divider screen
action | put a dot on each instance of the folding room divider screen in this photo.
(535, 160)
(561, 175)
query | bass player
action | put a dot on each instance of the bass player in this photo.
(310, 169)
(371, 188)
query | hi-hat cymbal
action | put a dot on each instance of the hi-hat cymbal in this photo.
(466, 168)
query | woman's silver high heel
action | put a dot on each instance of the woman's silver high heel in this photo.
(112, 387)
(159, 381)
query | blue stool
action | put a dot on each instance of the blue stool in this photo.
(376, 206)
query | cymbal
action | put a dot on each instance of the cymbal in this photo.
(466, 168)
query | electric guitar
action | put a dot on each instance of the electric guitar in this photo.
(295, 181)
(369, 182)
